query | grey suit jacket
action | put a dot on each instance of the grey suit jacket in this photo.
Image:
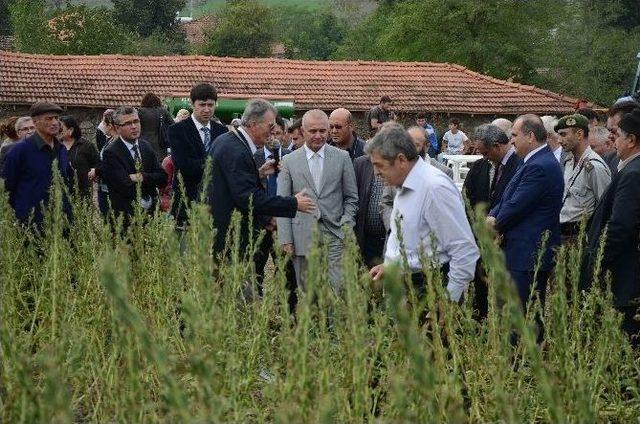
(336, 201)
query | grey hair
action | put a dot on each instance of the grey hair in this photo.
(390, 141)
(418, 128)
(315, 113)
(550, 123)
(256, 110)
(504, 124)
(123, 110)
(490, 134)
(600, 134)
(21, 120)
(533, 124)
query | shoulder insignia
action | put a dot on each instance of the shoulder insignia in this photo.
(588, 166)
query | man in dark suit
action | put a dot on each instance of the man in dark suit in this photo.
(273, 151)
(530, 206)
(190, 140)
(129, 161)
(370, 230)
(614, 115)
(236, 181)
(617, 219)
(485, 183)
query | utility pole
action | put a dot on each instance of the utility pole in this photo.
(636, 81)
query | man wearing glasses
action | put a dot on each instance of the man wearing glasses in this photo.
(129, 162)
(343, 135)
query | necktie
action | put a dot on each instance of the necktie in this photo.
(315, 170)
(207, 138)
(497, 177)
(136, 153)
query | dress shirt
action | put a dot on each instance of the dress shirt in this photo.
(429, 205)
(130, 147)
(533, 152)
(145, 201)
(627, 160)
(558, 153)
(247, 137)
(199, 126)
(310, 153)
(506, 157)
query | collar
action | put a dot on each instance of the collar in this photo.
(40, 144)
(624, 163)
(129, 145)
(310, 152)
(414, 180)
(198, 125)
(247, 137)
(507, 156)
(533, 152)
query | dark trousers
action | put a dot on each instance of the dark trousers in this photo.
(260, 259)
(103, 202)
(373, 249)
(481, 292)
(524, 282)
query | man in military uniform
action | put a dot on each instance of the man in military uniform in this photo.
(586, 175)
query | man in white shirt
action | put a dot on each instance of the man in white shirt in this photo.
(429, 208)
(454, 139)
(553, 138)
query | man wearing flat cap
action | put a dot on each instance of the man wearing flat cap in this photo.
(27, 170)
(586, 175)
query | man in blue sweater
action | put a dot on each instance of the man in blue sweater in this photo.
(27, 170)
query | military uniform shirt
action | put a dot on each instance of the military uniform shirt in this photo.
(584, 184)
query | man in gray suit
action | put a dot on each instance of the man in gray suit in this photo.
(326, 174)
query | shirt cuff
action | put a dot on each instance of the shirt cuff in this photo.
(455, 291)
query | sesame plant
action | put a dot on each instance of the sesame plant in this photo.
(104, 324)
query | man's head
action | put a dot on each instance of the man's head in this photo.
(627, 140)
(599, 140)
(421, 119)
(614, 115)
(315, 128)
(553, 138)
(504, 124)
(386, 103)
(573, 131)
(25, 127)
(258, 119)
(295, 133)
(419, 137)
(127, 123)
(279, 131)
(341, 128)
(590, 114)
(392, 153)
(528, 134)
(45, 118)
(491, 142)
(454, 125)
(203, 99)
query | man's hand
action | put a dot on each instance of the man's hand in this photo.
(491, 221)
(288, 248)
(377, 272)
(271, 225)
(136, 178)
(305, 204)
(92, 174)
(268, 168)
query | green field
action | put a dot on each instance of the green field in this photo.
(145, 328)
(213, 6)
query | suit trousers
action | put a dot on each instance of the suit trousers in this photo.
(335, 249)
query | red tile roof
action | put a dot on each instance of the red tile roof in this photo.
(108, 80)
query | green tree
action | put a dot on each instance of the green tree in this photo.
(5, 20)
(146, 17)
(246, 28)
(29, 22)
(309, 34)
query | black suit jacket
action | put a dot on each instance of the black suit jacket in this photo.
(189, 157)
(619, 211)
(477, 185)
(117, 164)
(364, 177)
(235, 184)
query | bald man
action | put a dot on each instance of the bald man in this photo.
(343, 134)
(326, 174)
(419, 137)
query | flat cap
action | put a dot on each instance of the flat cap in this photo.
(572, 121)
(39, 108)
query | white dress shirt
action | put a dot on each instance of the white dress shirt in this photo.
(310, 154)
(246, 135)
(429, 205)
(130, 147)
(558, 153)
(533, 152)
(199, 126)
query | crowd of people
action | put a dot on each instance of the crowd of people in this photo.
(540, 179)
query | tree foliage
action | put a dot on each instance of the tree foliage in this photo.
(147, 17)
(246, 28)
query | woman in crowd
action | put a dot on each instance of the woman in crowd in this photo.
(105, 134)
(154, 121)
(83, 155)
(8, 137)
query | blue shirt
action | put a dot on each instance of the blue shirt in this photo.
(28, 176)
(432, 137)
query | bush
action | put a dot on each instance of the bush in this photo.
(145, 327)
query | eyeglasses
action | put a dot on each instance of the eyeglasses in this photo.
(128, 123)
(337, 127)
